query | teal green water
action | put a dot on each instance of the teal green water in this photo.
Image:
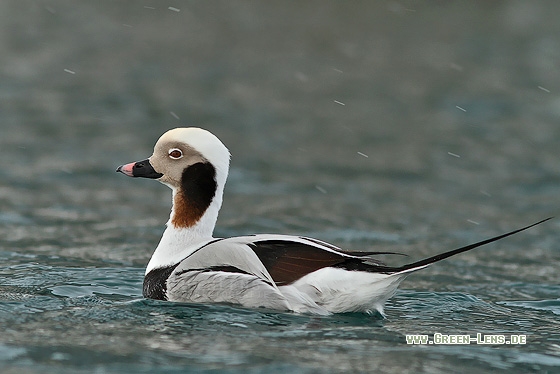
(413, 127)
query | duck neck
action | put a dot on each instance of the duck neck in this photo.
(192, 221)
(184, 234)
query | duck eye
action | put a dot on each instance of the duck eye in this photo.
(175, 153)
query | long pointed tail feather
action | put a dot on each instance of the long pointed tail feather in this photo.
(430, 260)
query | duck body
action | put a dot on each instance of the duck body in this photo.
(279, 272)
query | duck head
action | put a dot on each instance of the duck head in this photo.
(194, 163)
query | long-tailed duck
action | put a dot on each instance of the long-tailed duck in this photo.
(280, 272)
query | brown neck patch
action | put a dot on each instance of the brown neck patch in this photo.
(185, 214)
(198, 187)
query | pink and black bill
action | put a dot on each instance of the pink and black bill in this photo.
(140, 169)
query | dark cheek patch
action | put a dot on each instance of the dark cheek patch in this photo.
(198, 187)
